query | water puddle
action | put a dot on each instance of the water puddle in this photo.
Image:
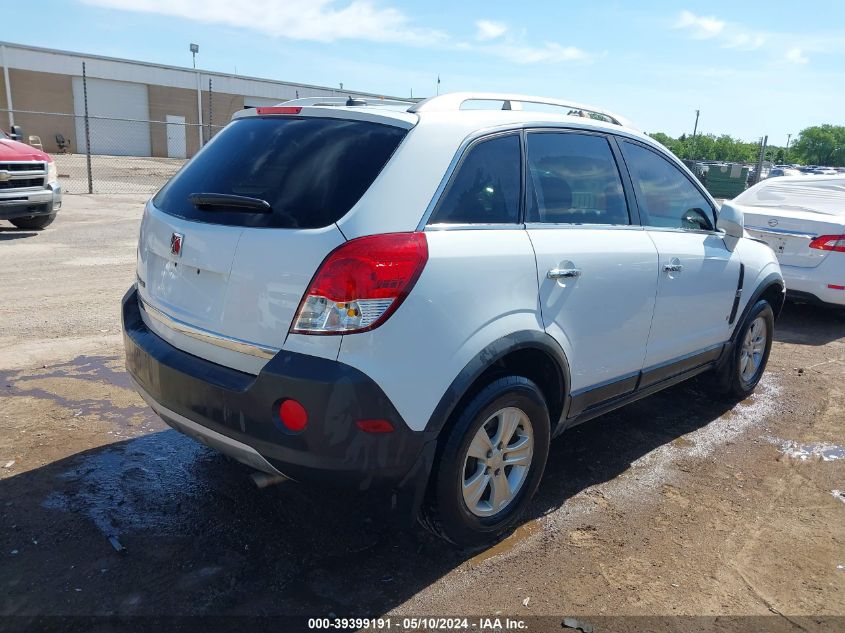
(519, 536)
(145, 483)
(811, 451)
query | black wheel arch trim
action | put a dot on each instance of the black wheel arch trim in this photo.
(498, 349)
(772, 279)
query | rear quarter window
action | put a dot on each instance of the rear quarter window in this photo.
(311, 171)
(486, 187)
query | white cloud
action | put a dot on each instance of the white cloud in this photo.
(497, 40)
(333, 20)
(729, 34)
(550, 53)
(796, 56)
(489, 30)
(315, 20)
(701, 27)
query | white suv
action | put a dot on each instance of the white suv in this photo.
(419, 298)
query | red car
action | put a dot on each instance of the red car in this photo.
(30, 194)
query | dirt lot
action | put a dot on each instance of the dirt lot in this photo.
(672, 506)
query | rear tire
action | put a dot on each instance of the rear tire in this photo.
(489, 465)
(739, 376)
(36, 223)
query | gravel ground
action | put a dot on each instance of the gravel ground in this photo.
(110, 174)
(673, 506)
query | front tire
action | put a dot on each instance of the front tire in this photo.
(739, 376)
(490, 464)
(35, 223)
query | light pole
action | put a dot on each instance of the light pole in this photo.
(194, 48)
(786, 153)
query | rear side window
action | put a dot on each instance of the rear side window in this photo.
(573, 179)
(486, 187)
(309, 171)
(666, 196)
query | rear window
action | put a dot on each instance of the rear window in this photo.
(310, 171)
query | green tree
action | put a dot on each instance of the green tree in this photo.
(821, 145)
(712, 147)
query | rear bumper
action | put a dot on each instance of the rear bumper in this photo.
(812, 285)
(28, 203)
(236, 413)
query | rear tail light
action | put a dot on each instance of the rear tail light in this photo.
(361, 283)
(829, 243)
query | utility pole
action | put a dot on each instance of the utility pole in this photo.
(758, 176)
(438, 83)
(694, 130)
(786, 153)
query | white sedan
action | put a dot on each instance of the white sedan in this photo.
(803, 221)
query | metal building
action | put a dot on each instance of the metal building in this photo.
(134, 108)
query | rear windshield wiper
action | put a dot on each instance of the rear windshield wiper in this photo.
(228, 202)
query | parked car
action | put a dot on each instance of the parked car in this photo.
(779, 171)
(419, 298)
(30, 193)
(803, 220)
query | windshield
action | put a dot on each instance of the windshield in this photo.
(807, 193)
(308, 172)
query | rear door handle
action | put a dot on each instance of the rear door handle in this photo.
(563, 273)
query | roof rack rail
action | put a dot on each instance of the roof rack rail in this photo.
(453, 101)
(344, 101)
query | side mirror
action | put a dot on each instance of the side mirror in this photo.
(16, 133)
(731, 221)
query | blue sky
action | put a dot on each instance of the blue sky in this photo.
(752, 68)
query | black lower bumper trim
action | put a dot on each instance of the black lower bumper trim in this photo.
(331, 449)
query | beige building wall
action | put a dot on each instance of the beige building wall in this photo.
(165, 100)
(223, 106)
(41, 92)
(182, 102)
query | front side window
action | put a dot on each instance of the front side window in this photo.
(666, 196)
(486, 187)
(573, 179)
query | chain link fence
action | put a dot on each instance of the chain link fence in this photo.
(96, 154)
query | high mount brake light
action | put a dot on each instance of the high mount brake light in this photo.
(279, 110)
(361, 283)
(829, 243)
